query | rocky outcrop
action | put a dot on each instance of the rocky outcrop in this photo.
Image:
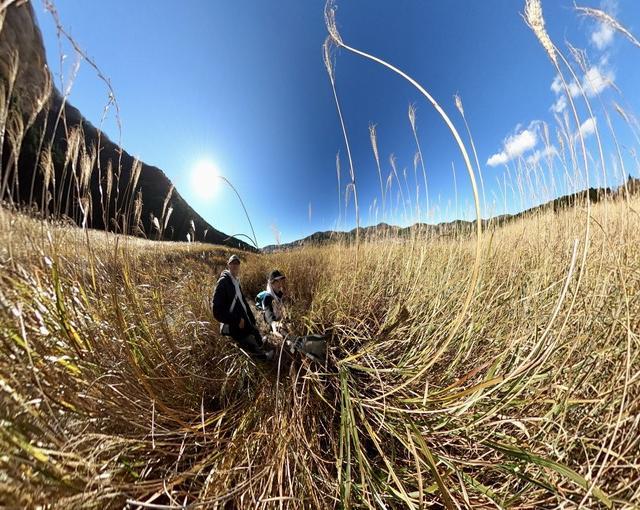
(23, 66)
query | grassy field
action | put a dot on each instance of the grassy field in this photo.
(116, 386)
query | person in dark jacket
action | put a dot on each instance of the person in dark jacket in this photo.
(232, 310)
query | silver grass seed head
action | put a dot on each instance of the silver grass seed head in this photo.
(330, 21)
(166, 220)
(606, 19)
(137, 168)
(374, 141)
(327, 58)
(137, 208)
(535, 20)
(46, 164)
(109, 178)
(545, 133)
(621, 112)
(167, 198)
(392, 160)
(412, 115)
(560, 140)
(458, 100)
(86, 168)
(73, 145)
(579, 56)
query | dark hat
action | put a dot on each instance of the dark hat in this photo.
(276, 275)
(234, 259)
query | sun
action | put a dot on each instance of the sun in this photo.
(204, 179)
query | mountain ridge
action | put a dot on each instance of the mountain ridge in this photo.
(632, 186)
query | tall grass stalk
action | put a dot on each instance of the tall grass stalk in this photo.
(608, 20)
(458, 102)
(329, 65)
(374, 146)
(414, 129)
(337, 39)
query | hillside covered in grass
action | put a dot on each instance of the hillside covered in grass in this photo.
(116, 386)
(630, 187)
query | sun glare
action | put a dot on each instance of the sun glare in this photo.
(204, 179)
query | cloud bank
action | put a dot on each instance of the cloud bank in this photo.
(515, 146)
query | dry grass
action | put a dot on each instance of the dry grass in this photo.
(116, 386)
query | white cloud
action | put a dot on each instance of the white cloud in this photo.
(559, 105)
(558, 87)
(587, 128)
(515, 145)
(556, 84)
(574, 89)
(520, 143)
(500, 158)
(595, 81)
(547, 152)
(603, 36)
(598, 77)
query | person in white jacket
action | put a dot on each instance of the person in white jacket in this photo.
(273, 302)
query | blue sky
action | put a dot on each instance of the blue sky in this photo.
(241, 85)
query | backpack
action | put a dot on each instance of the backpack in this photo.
(260, 300)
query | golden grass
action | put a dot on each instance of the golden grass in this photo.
(116, 386)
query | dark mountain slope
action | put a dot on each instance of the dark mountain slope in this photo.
(56, 162)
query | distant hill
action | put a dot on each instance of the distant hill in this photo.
(87, 177)
(383, 229)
